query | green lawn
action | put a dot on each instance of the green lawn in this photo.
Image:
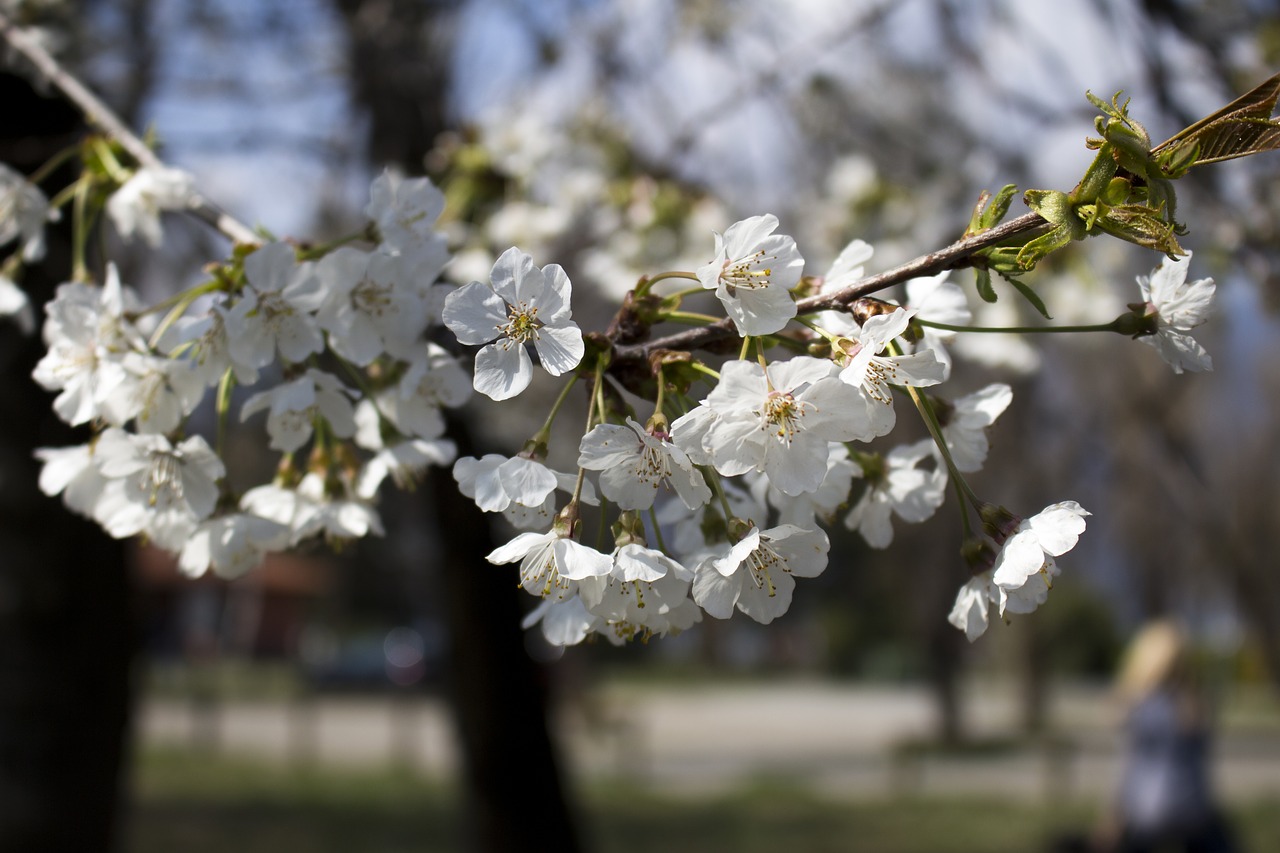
(194, 803)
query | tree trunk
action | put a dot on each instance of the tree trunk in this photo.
(66, 632)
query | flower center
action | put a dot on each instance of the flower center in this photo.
(522, 323)
(748, 272)
(783, 414)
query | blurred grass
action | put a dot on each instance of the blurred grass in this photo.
(197, 802)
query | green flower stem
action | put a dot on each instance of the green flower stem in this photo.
(595, 404)
(935, 431)
(660, 397)
(1019, 330)
(179, 306)
(544, 432)
(690, 318)
(222, 406)
(312, 253)
(702, 368)
(53, 163)
(657, 529)
(647, 284)
(80, 232)
(109, 161)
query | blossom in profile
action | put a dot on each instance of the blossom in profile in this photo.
(634, 464)
(753, 273)
(135, 207)
(1025, 567)
(897, 485)
(867, 365)
(1172, 307)
(757, 573)
(521, 304)
(292, 409)
(24, 210)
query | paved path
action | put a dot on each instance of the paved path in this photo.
(842, 740)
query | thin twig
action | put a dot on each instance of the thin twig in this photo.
(931, 264)
(101, 115)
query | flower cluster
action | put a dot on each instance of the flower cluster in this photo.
(720, 499)
(297, 333)
(716, 497)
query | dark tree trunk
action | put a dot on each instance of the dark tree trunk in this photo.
(66, 632)
(499, 693)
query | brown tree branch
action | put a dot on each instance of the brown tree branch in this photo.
(950, 257)
(99, 114)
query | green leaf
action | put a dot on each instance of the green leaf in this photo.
(1031, 296)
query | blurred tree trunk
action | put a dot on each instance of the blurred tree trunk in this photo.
(66, 630)
(499, 693)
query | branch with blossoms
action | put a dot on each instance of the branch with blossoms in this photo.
(714, 456)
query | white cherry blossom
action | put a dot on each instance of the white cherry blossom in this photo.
(551, 563)
(756, 574)
(752, 274)
(88, 336)
(521, 304)
(634, 464)
(231, 545)
(940, 301)
(404, 209)
(1177, 307)
(24, 210)
(780, 422)
(135, 207)
(965, 422)
(900, 487)
(1024, 569)
(276, 310)
(294, 406)
(867, 368)
(154, 487)
(370, 306)
(972, 611)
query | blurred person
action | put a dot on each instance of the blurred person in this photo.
(1165, 801)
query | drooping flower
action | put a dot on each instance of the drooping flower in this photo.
(14, 303)
(520, 305)
(867, 368)
(634, 464)
(89, 335)
(756, 574)
(752, 274)
(898, 486)
(24, 210)
(294, 406)
(938, 300)
(231, 545)
(1176, 307)
(551, 563)
(1024, 569)
(972, 611)
(965, 422)
(135, 207)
